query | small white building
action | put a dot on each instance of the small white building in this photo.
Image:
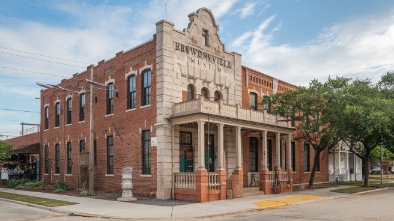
(343, 165)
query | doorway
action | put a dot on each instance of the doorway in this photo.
(185, 152)
(209, 153)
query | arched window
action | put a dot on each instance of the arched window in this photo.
(205, 93)
(110, 99)
(57, 114)
(217, 96)
(190, 92)
(69, 110)
(146, 87)
(132, 93)
(46, 117)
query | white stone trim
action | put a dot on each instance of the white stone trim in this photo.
(254, 91)
(110, 80)
(143, 68)
(131, 72)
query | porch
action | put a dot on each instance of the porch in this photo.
(209, 139)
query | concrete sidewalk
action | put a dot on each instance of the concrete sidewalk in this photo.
(114, 209)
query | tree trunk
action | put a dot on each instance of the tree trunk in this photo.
(316, 159)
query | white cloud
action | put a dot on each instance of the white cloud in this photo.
(247, 10)
(358, 49)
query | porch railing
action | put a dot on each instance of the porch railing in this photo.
(233, 111)
(185, 181)
(213, 181)
(283, 177)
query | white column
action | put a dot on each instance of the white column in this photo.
(289, 154)
(278, 150)
(264, 146)
(201, 153)
(238, 148)
(220, 147)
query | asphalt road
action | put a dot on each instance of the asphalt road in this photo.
(376, 205)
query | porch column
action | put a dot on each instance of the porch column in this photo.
(289, 154)
(264, 151)
(220, 147)
(238, 148)
(200, 152)
(347, 166)
(278, 150)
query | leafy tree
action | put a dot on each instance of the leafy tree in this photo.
(310, 111)
(6, 150)
(363, 120)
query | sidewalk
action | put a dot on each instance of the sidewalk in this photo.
(114, 209)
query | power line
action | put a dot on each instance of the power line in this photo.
(19, 110)
(9, 120)
(42, 60)
(44, 55)
(32, 71)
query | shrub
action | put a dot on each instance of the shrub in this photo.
(60, 186)
(15, 183)
(32, 185)
(84, 193)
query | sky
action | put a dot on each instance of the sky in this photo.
(292, 40)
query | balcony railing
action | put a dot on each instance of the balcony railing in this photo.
(185, 181)
(233, 111)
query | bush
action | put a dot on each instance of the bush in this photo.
(32, 185)
(15, 183)
(60, 186)
(84, 193)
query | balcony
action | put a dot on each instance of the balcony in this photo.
(232, 111)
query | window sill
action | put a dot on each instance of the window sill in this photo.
(145, 106)
(109, 175)
(83, 121)
(69, 174)
(45, 174)
(68, 125)
(46, 129)
(132, 109)
(307, 171)
(108, 115)
(145, 175)
(56, 174)
(56, 127)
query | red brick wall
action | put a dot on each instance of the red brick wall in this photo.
(125, 125)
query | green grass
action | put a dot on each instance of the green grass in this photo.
(35, 200)
(385, 177)
(351, 190)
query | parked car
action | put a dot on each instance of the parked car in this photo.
(374, 170)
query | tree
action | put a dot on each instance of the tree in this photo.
(6, 150)
(363, 120)
(310, 109)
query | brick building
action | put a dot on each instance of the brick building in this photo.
(182, 112)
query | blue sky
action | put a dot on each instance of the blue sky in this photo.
(292, 40)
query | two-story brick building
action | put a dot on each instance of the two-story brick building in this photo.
(182, 112)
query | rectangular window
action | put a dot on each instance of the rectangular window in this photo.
(57, 114)
(146, 87)
(132, 93)
(293, 155)
(253, 101)
(69, 110)
(82, 107)
(306, 157)
(69, 162)
(110, 155)
(253, 154)
(146, 152)
(46, 118)
(46, 159)
(110, 97)
(317, 163)
(82, 146)
(57, 159)
(205, 37)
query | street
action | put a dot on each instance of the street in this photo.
(376, 205)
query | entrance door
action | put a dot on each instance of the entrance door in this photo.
(209, 153)
(185, 152)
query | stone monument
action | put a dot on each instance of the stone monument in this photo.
(127, 185)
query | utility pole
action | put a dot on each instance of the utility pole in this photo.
(91, 142)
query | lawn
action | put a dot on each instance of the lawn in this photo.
(354, 189)
(35, 200)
